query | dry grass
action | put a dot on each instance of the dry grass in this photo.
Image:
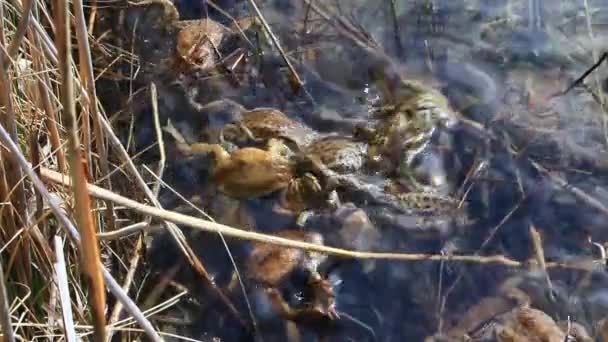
(38, 81)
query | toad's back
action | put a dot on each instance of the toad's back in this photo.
(340, 154)
(266, 123)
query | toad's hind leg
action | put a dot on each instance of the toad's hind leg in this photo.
(197, 148)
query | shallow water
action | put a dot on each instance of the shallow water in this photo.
(510, 57)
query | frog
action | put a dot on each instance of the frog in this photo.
(323, 162)
(509, 316)
(229, 123)
(433, 209)
(260, 124)
(256, 172)
(526, 324)
(411, 188)
(341, 154)
(197, 41)
(272, 268)
(405, 129)
(344, 161)
(418, 213)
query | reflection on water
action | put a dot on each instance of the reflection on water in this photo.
(379, 72)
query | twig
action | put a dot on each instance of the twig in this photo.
(153, 310)
(159, 137)
(123, 232)
(345, 29)
(539, 254)
(64, 291)
(580, 194)
(5, 315)
(66, 224)
(295, 77)
(214, 227)
(584, 75)
(127, 284)
(594, 53)
(481, 247)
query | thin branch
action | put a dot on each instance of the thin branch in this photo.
(159, 138)
(539, 254)
(127, 284)
(578, 193)
(396, 29)
(123, 232)
(579, 80)
(214, 227)
(295, 77)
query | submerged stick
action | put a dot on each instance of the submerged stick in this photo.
(296, 80)
(579, 80)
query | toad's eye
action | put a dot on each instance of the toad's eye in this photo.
(447, 119)
(424, 168)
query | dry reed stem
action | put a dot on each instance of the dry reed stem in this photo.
(72, 232)
(64, 291)
(35, 158)
(5, 316)
(26, 14)
(15, 189)
(44, 89)
(396, 29)
(213, 227)
(89, 251)
(577, 192)
(92, 113)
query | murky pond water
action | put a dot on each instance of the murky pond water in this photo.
(432, 127)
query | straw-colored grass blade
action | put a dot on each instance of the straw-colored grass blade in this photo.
(89, 249)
